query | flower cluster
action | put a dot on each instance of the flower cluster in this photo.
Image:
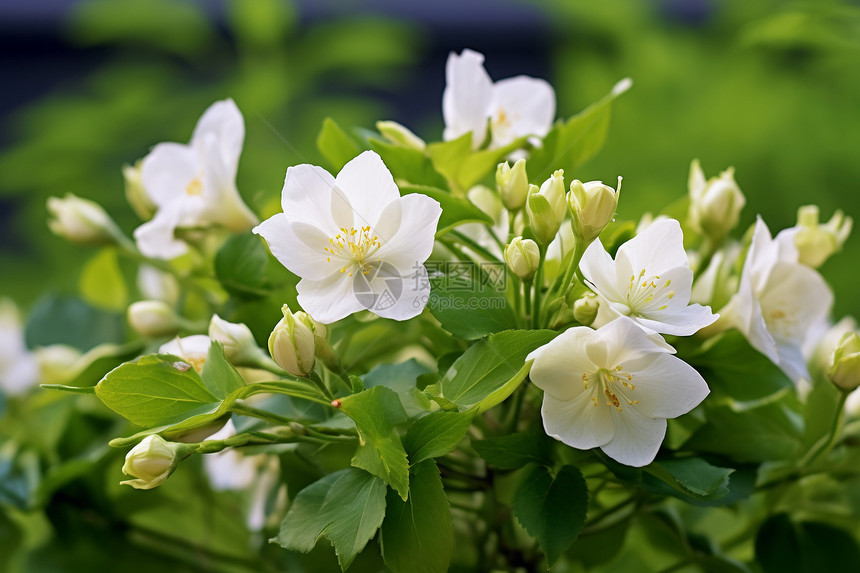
(402, 326)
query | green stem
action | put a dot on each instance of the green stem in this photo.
(573, 268)
(538, 288)
(527, 295)
(318, 382)
(300, 429)
(823, 446)
(467, 242)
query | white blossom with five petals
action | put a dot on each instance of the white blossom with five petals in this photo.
(780, 302)
(613, 388)
(353, 240)
(194, 185)
(515, 107)
(650, 281)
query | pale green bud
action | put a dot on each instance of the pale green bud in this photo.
(513, 184)
(135, 193)
(815, 242)
(240, 348)
(845, 365)
(546, 208)
(291, 343)
(56, 363)
(522, 257)
(592, 207)
(585, 309)
(153, 318)
(81, 221)
(715, 204)
(400, 135)
(152, 461)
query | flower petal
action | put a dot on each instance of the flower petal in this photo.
(368, 187)
(167, 171)
(559, 365)
(666, 387)
(307, 197)
(637, 438)
(298, 246)
(657, 249)
(223, 122)
(329, 299)
(521, 106)
(156, 239)
(599, 270)
(395, 297)
(577, 422)
(413, 240)
(467, 96)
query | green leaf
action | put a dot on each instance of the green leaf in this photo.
(768, 433)
(552, 509)
(376, 412)
(455, 210)
(155, 390)
(68, 320)
(470, 301)
(401, 378)
(464, 167)
(407, 164)
(347, 507)
(436, 434)
(692, 476)
(739, 375)
(240, 265)
(513, 451)
(335, 145)
(102, 284)
(804, 547)
(417, 535)
(489, 364)
(571, 143)
(220, 377)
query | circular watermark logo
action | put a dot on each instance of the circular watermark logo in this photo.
(378, 289)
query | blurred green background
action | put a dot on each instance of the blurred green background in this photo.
(770, 87)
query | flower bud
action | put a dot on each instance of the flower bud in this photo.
(585, 309)
(291, 343)
(845, 365)
(135, 193)
(715, 204)
(56, 363)
(546, 208)
(152, 461)
(240, 348)
(400, 135)
(81, 221)
(153, 318)
(592, 207)
(816, 243)
(522, 257)
(513, 184)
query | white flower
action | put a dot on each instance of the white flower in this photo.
(192, 349)
(516, 107)
(650, 281)
(780, 302)
(613, 389)
(19, 370)
(194, 185)
(354, 241)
